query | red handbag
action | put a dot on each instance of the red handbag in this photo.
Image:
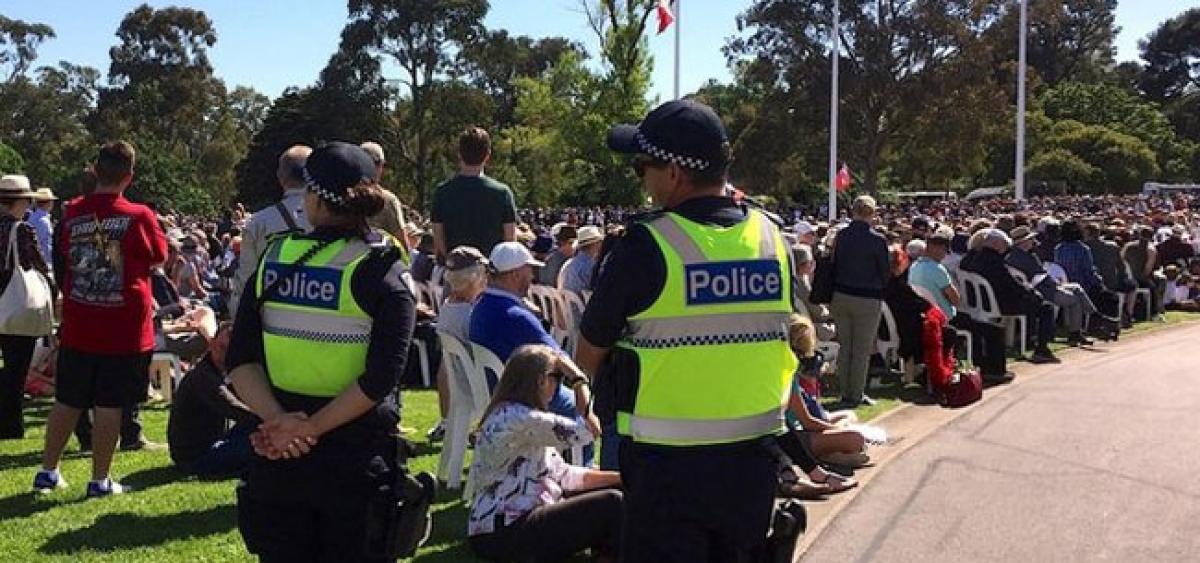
(964, 389)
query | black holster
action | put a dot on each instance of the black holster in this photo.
(398, 520)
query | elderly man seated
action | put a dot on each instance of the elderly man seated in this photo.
(502, 322)
(577, 272)
(1071, 297)
(1014, 298)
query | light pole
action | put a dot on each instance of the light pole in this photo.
(835, 55)
(1019, 173)
(678, 23)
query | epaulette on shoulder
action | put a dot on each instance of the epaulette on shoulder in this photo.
(749, 203)
(644, 217)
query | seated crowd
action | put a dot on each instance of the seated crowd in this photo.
(1074, 269)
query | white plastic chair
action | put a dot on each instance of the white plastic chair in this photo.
(550, 302)
(165, 373)
(985, 308)
(889, 348)
(485, 361)
(460, 371)
(573, 307)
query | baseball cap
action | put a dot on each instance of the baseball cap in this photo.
(508, 256)
(464, 257)
(334, 167)
(685, 132)
(802, 228)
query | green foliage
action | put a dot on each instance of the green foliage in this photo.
(1093, 158)
(168, 181)
(10, 160)
(1172, 55)
(19, 42)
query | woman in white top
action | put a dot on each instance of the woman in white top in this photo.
(519, 510)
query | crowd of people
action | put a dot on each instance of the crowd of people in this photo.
(287, 332)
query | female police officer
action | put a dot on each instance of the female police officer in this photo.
(319, 343)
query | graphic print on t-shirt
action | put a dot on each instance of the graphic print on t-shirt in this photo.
(96, 260)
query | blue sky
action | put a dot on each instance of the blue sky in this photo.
(273, 44)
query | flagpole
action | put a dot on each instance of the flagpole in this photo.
(678, 22)
(835, 54)
(1019, 173)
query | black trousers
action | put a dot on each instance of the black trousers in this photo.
(316, 507)
(987, 344)
(18, 352)
(692, 505)
(556, 532)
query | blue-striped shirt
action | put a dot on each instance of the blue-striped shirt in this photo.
(1076, 259)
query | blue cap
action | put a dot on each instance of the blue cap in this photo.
(685, 132)
(334, 167)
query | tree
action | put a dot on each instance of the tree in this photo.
(1172, 55)
(346, 104)
(162, 84)
(900, 58)
(10, 160)
(44, 118)
(421, 36)
(1122, 112)
(19, 42)
(1104, 160)
(494, 61)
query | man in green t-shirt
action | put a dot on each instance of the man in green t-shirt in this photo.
(472, 209)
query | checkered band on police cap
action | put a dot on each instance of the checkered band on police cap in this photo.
(668, 156)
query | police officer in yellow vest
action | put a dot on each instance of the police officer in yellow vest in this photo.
(319, 344)
(686, 339)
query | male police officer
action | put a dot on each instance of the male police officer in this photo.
(688, 331)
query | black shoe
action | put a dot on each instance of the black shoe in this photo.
(998, 378)
(1078, 339)
(1044, 356)
(141, 444)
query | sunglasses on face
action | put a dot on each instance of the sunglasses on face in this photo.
(557, 376)
(641, 162)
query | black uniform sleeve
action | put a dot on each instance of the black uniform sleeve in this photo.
(381, 292)
(630, 277)
(246, 342)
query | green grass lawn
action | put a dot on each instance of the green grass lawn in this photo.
(171, 517)
(168, 516)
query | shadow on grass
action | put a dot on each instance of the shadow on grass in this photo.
(112, 532)
(153, 477)
(29, 459)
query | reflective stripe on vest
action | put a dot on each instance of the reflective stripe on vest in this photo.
(714, 360)
(315, 336)
(704, 431)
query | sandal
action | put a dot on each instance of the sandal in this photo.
(837, 483)
(791, 485)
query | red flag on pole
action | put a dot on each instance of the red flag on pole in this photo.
(843, 178)
(665, 17)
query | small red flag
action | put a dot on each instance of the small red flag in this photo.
(843, 181)
(665, 17)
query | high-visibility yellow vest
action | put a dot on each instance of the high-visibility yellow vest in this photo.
(713, 353)
(315, 335)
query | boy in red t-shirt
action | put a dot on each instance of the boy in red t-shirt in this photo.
(108, 245)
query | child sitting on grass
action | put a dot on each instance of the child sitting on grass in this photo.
(821, 430)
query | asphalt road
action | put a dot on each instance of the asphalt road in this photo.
(1098, 459)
